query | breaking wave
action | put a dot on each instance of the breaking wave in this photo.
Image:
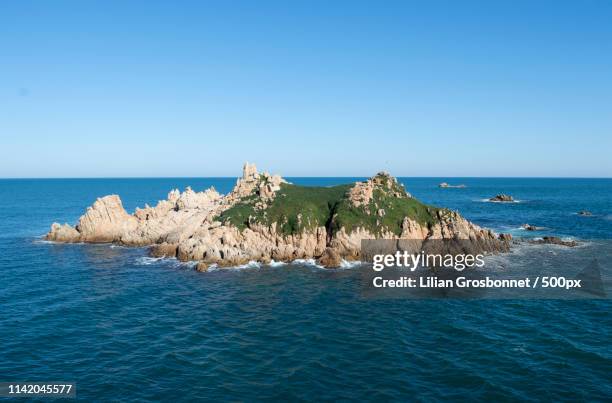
(250, 265)
(345, 264)
(307, 262)
(148, 260)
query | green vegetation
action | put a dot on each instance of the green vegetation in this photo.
(395, 209)
(298, 208)
(294, 208)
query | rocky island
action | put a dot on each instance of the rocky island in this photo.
(266, 218)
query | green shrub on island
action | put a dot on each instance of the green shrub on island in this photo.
(298, 208)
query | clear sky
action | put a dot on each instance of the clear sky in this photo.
(305, 88)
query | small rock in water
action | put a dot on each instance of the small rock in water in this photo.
(528, 227)
(585, 213)
(502, 198)
(446, 185)
(553, 240)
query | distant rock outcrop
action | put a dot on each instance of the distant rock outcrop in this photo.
(528, 227)
(502, 198)
(446, 185)
(264, 217)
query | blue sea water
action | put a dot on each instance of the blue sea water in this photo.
(128, 327)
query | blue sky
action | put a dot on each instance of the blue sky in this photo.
(427, 88)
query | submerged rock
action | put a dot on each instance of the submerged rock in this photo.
(266, 218)
(553, 240)
(202, 267)
(585, 213)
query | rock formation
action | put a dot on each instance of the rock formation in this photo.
(446, 185)
(264, 217)
(585, 213)
(502, 198)
(528, 227)
(362, 192)
(553, 240)
(330, 258)
(104, 221)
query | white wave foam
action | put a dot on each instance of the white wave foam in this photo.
(250, 265)
(310, 262)
(169, 261)
(345, 264)
(501, 202)
(44, 242)
(307, 262)
(533, 230)
(274, 263)
(182, 265)
(47, 242)
(147, 260)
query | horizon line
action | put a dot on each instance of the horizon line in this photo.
(298, 176)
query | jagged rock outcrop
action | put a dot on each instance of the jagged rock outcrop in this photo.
(413, 230)
(264, 185)
(63, 233)
(362, 192)
(330, 258)
(105, 221)
(264, 218)
(197, 200)
(349, 242)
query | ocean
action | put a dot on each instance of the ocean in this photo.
(125, 326)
